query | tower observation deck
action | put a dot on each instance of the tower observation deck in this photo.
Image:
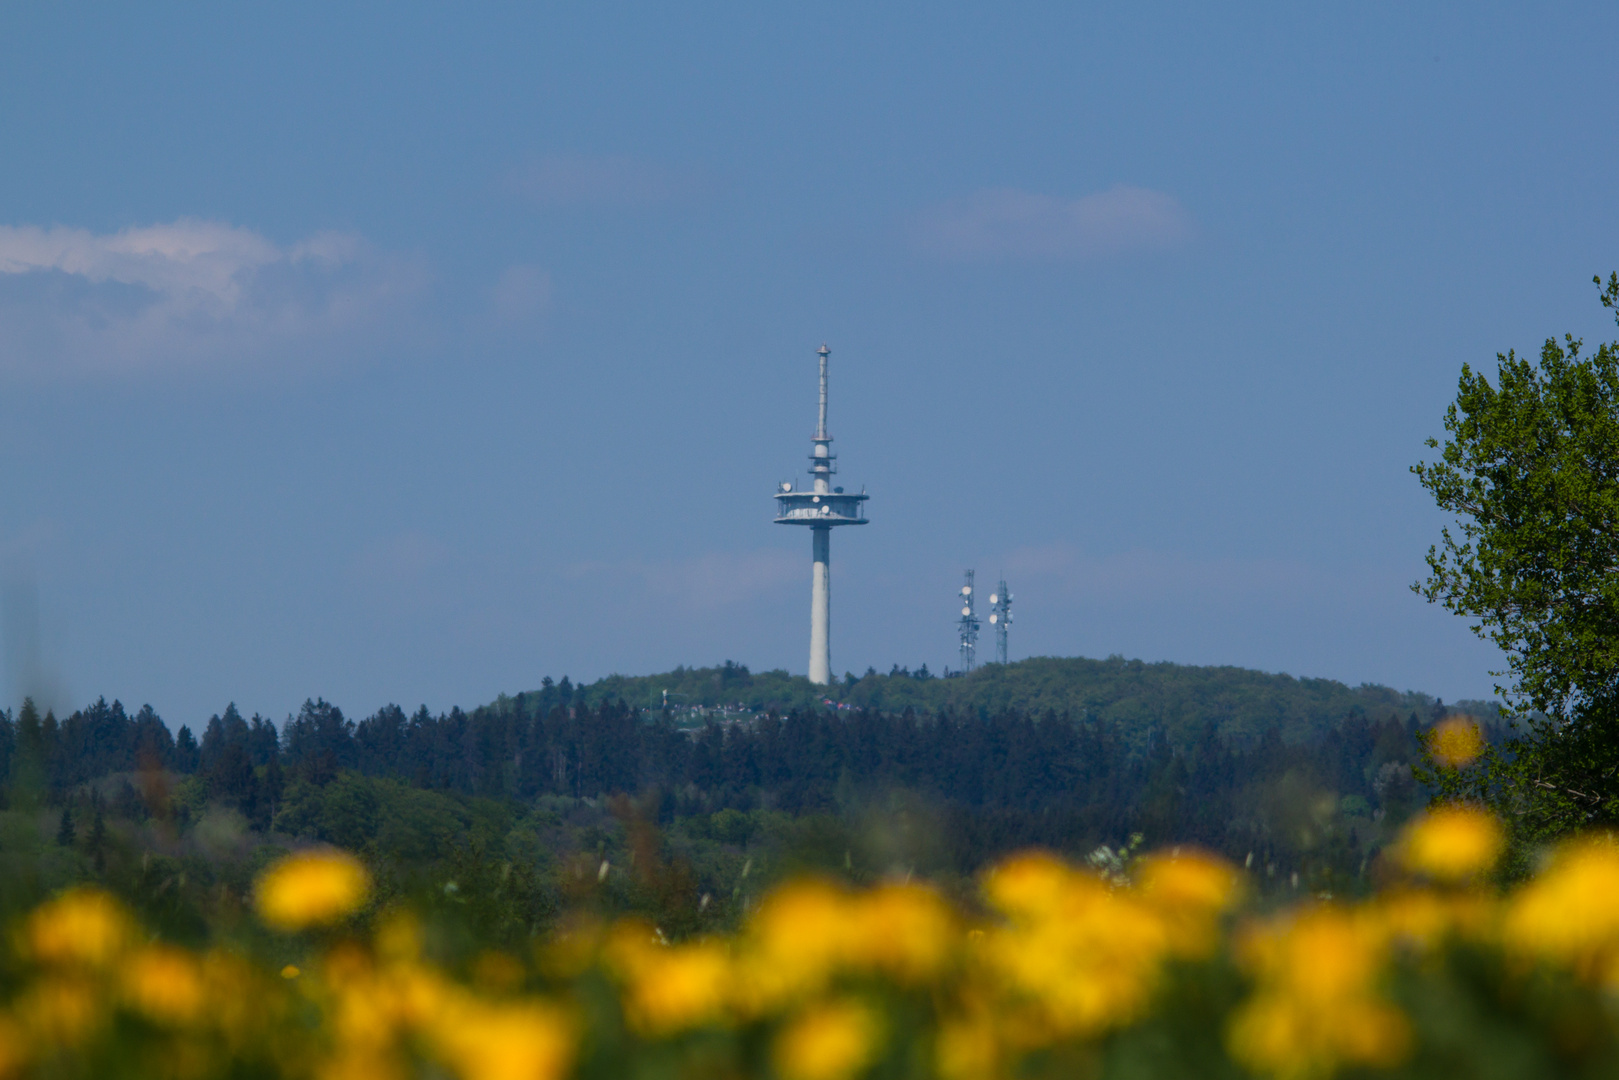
(822, 507)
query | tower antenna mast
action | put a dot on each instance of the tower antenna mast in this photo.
(1000, 617)
(968, 626)
(823, 507)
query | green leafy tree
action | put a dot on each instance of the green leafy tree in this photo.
(1531, 471)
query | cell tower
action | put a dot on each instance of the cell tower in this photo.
(822, 508)
(1000, 617)
(968, 625)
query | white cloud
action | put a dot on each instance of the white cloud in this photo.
(1009, 223)
(596, 180)
(187, 293)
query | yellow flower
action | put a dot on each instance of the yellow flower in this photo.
(669, 988)
(366, 1012)
(1456, 741)
(795, 942)
(1568, 914)
(239, 1002)
(1190, 890)
(830, 1041)
(311, 889)
(967, 1048)
(1028, 884)
(1424, 918)
(1451, 843)
(1274, 1035)
(82, 926)
(61, 1009)
(13, 1047)
(906, 931)
(165, 984)
(351, 1063)
(1316, 1005)
(517, 1041)
(1083, 954)
(290, 972)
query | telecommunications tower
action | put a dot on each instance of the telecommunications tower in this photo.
(821, 508)
(968, 625)
(1000, 617)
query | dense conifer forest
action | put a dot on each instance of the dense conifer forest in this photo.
(740, 779)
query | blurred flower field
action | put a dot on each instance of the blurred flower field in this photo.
(1168, 969)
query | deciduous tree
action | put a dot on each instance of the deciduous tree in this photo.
(1530, 468)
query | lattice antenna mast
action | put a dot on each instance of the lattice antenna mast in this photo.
(1000, 617)
(968, 626)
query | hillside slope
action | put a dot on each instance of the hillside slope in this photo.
(1175, 698)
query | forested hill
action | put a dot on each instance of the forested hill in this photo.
(1308, 777)
(1175, 699)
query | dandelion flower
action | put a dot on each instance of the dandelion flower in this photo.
(905, 930)
(13, 1047)
(61, 1009)
(1567, 914)
(82, 926)
(1190, 890)
(1316, 1005)
(1451, 843)
(1083, 953)
(1028, 884)
(311, 889)
(796, 941)
(829, 1042)
(504, 1042)
(1456, 741)
(968, 1049)
(670, 988)
(165, 984)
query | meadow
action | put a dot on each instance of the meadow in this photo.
(1159, 965)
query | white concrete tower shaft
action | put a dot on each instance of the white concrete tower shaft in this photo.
(820, 664)
(822, 508)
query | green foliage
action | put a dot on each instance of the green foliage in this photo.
(390, 818)
(1178, 700)
(1531, 470)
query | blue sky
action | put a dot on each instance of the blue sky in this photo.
(393, 353)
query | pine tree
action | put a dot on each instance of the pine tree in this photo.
(28, 760)
(28, 733)
(187, 755)
(65, 831)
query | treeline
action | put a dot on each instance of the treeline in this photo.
(1179, 700)
(1001, 781)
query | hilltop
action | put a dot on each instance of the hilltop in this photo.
(1178, 699)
